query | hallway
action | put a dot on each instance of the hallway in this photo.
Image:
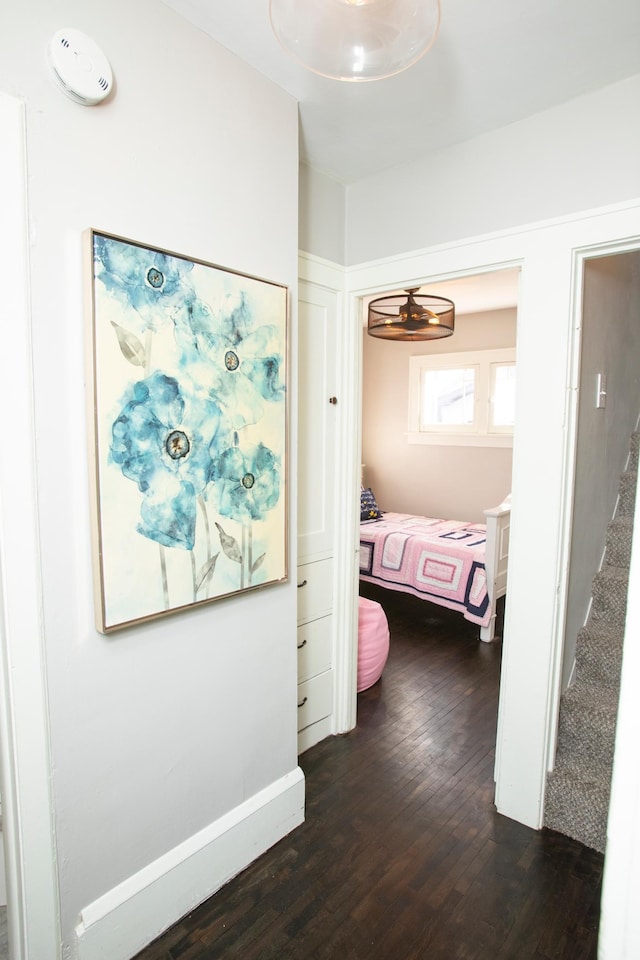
(402, 854)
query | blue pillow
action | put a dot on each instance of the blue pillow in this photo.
(369, 509)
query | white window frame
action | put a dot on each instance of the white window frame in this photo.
(482, 433)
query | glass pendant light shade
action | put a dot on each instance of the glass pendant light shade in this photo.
(419, 316)
(355, 39)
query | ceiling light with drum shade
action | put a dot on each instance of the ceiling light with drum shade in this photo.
(418, 316)
(355, 39)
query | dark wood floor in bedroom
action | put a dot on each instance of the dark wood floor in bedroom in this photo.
(402, 855)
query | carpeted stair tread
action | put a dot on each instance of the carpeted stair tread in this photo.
(627, 493)
(600, 632)
(609, 593)
(599, 653)
(613, 575)
(587, 726)
(619, 540)
(577, 804)
(593, 697)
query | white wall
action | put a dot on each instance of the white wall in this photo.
(581, 155)
(420, 478)
(158, 732)
(610, 345)
(321, 215)
(619, 937)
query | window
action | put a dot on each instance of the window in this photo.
(502, 397)
(448, 397)
(463, 398)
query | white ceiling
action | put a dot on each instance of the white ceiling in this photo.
(486, 291)
(493, 63)
(496, 290)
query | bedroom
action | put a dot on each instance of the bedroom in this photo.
(427, 471)
(437, 471)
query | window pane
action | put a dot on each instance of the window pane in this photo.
(504, 394)
(448, 396)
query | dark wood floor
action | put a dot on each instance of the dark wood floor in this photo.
(402, 855)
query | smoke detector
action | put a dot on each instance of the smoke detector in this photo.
(80, 67)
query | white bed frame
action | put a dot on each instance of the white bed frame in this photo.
(498, 520)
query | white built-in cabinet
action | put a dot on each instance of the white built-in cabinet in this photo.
(318, 411)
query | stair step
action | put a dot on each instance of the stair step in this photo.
(577, 805)
(619, 540)
(599, 653)
(635, 449)
(610, 594)
(627, 493)
(587, 727)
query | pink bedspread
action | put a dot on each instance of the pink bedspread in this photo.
(438, 560)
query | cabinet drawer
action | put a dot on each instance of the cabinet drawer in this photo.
(315, 590)
(314, 647)
(315, 699)
(313, 734)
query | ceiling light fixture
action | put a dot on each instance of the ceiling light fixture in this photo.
(420, 317)
(355, 39)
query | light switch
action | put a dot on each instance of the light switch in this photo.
(601, 391)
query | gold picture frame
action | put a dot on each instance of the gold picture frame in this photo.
(188, 430)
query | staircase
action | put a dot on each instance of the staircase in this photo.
(577, 799)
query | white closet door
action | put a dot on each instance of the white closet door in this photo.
(318, 417)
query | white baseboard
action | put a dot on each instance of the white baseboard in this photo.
(124, 920)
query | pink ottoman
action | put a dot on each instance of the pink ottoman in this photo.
(373, 642)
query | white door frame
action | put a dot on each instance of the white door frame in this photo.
(32, 911)
(542, 469)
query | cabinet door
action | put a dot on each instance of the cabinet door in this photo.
(317, 339)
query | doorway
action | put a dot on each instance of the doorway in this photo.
(455, 477)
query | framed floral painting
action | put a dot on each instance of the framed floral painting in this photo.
(188, 431)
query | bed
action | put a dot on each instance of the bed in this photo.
(452, 563)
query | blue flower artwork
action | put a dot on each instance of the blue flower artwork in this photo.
(189, 429)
